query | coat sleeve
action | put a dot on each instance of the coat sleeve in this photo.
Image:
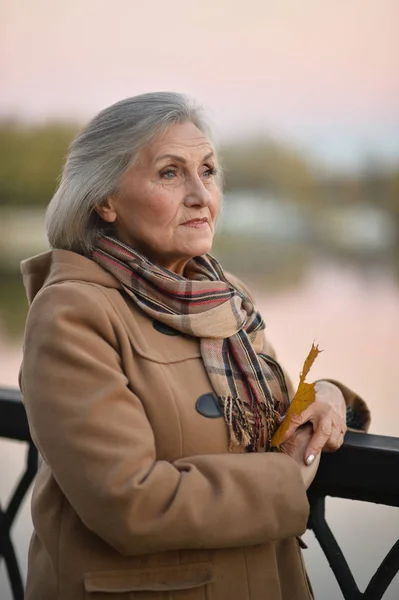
(93, 433)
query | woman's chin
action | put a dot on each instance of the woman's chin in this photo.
(200, 249)
(200, 246)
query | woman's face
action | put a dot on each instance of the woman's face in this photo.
(168, 201)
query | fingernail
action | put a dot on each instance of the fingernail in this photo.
(310, 459)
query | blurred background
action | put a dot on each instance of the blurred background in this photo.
(304, 98)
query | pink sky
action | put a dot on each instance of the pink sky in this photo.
(305, 67)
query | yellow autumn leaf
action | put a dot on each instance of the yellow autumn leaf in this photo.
(303, 398)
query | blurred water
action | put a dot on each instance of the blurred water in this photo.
(354, 316)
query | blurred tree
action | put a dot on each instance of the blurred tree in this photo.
(269, 166)
(380, 186)
(31, 158)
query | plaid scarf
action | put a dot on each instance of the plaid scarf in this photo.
(206, 305)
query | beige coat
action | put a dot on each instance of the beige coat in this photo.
(138, 496)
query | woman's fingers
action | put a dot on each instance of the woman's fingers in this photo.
(336, 438)
(313, 414)
(327, 414)
(295, 422)
(327, 437)
(297, 443)
(321, 434)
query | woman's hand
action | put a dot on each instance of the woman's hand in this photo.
(295, 447)
(327, 414)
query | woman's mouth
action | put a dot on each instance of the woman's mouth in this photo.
(197, 223)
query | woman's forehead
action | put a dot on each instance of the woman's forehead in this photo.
(179, 138)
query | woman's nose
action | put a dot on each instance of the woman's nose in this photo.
(196, 193)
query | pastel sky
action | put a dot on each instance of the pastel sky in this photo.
(322, 72)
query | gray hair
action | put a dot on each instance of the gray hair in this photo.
(101, 154)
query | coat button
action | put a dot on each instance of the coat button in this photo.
(208, 406)
(165, 329)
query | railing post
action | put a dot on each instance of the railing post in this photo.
(363, 469)
(13, 425)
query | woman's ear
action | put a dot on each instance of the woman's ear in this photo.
(106, 210)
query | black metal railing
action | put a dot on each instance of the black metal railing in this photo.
(364, 469)
(14, 426)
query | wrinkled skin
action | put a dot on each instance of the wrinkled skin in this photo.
(167, 203)
(327, 416)
(295, 447)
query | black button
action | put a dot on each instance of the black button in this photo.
(165, 329)
(208, 406)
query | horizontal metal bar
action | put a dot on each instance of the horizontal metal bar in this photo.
(13, 421)
(365, 468)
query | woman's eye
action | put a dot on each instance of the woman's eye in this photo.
(209, 172)
(169, 174)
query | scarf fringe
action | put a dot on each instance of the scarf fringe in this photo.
(249, 426)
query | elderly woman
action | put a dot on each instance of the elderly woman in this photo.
(151, 391)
